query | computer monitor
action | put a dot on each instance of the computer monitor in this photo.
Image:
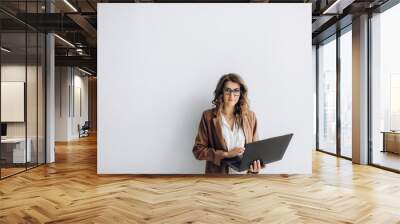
(3, 129)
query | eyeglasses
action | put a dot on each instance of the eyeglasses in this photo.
(228, 91)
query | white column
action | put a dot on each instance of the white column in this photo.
(50, 92)
(50, 80)
(360, 90)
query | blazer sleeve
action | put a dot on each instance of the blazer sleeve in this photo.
(201, 149)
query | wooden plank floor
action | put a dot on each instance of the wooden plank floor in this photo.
(10, 171)
(70, 191)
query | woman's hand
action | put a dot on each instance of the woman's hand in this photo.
(256, 166)
(234, 152)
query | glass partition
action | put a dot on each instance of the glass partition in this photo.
(32, 95)
(22, 101)
(14, 153)
(327, 96)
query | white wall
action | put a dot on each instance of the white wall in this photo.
(33, 127)
(158, 65)
(61, 103)
(81, 114)
(67, 117)
(314, 73)
(18, 73)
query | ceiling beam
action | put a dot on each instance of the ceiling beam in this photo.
(83, 61)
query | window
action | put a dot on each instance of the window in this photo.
(327, 96)
(385, 88)
(346, 94)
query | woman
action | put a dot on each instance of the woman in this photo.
(226, 128)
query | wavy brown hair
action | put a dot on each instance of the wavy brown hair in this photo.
(242, 106)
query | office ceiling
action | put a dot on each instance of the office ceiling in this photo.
(76, 21)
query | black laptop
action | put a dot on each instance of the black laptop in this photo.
(267, 151)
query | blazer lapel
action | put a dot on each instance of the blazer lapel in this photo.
(246, 129)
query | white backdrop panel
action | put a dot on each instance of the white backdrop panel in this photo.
(12, 101)
(158, 65)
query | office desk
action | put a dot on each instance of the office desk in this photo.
(391, 142)
(13, 150)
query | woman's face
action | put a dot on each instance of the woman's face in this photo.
(231, 93)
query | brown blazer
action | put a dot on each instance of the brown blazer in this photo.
(210, 144)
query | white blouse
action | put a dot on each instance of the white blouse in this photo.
(233, 138)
